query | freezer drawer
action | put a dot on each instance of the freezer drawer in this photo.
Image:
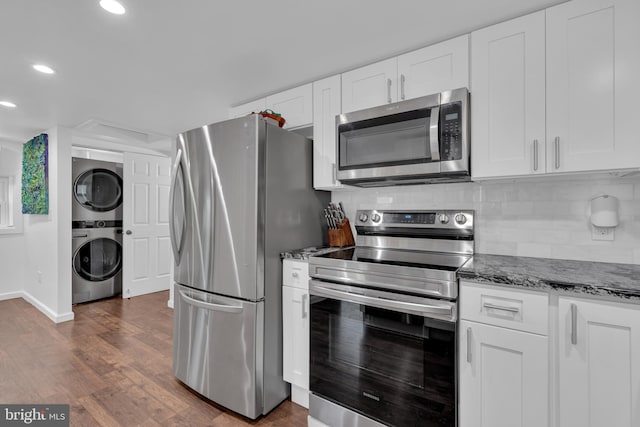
(214, 348)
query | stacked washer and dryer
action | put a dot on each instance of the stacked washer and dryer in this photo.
(97, 229)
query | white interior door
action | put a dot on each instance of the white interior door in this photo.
(147, 257)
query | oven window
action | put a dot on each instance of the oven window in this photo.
(387, 141)
(393, 367)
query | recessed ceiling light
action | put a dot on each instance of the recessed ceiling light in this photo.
(43, 69)
(7, 104)
(112, 6)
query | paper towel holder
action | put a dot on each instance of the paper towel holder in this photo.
(604, 211)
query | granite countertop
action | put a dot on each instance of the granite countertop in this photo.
(304, 253)
(610, 281)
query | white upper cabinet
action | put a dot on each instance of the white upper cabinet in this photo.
(508, 98)
(599, 376)
(370, 86)
(593, 63)
(433, 69)
(581, 56)
(326, 106)
(295, 105)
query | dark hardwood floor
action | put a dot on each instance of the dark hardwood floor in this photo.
(112, 365)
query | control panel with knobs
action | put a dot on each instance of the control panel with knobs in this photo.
(369, 220)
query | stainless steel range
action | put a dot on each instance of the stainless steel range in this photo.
(383, 321)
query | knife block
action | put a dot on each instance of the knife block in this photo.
(342, 236)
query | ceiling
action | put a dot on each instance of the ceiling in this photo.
(167, 66)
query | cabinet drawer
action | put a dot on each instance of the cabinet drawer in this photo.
(521, 310)
(295, 273)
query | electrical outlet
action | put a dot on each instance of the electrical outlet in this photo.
(602, 233)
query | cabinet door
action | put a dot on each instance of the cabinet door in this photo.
(248, 108)
(295, 105)
(503, 377)
(599, 364)
(508, 98)
(433, 69)
(370, 86)
(295, 321)
(327, 104)
(591, 59)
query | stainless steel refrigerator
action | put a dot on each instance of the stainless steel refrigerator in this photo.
(241, 194)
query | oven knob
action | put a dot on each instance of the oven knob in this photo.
(375, 218)
(363, 217)
(461, 219)
(444, 219)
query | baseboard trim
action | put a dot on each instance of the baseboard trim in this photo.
(11, 295)
(55, 317)
(170, 303)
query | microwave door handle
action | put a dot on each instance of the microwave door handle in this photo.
(433, 134)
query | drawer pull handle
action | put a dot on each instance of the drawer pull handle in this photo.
(468, 345)
(295, 274)
(574, 324)
(501, 307)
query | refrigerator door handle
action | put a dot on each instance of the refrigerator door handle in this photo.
(176, 241)
(210, 306)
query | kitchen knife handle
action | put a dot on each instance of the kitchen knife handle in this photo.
(304, 306)
(468, 345)
(574, 324)
(389, 91)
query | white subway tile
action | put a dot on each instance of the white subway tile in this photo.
(534, 250)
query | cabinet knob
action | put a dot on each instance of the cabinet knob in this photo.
(128, 232)
(295, 274)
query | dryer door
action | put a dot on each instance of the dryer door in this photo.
(98, 190)
(98, 259)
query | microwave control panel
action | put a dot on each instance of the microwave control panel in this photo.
(451, 131)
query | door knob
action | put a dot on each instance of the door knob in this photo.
(128, 232)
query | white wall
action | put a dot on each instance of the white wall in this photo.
(12, 265)
(545, 217)
(47, 277)
(12, 246)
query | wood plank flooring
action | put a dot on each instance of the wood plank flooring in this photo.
(112, 365)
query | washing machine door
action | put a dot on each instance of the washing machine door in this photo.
(98, 259)
(98, 190)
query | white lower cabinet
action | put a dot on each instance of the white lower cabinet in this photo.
(503, 377)
(295, 323)
(503, 372)
(599, 363)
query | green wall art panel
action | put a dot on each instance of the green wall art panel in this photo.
(35, 176)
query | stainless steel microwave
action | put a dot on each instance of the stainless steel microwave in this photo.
(422, 140)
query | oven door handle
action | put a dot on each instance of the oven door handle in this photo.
(438, 309)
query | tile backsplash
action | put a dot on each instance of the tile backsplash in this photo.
(538, 217)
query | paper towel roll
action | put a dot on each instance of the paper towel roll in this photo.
(604, 211)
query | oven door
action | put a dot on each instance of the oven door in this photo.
(389, 357)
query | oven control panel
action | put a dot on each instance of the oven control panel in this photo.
(386, 219)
